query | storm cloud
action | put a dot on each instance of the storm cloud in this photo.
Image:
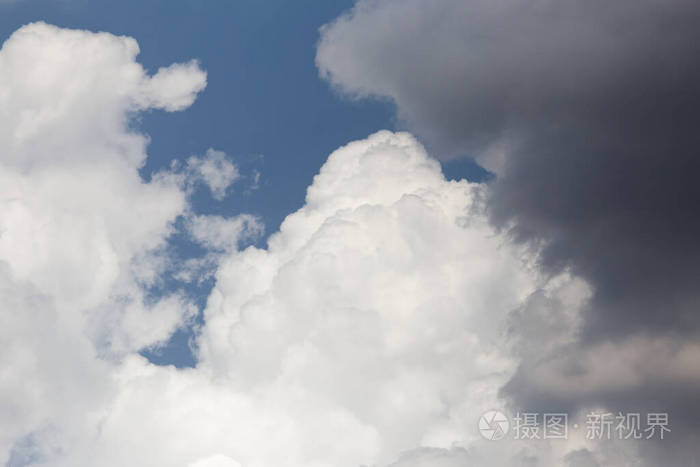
(587, 112)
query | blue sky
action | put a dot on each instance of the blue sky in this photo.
(264, 104)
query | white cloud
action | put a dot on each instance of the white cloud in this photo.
(224, 234)
(216, 461)
(76, 222)
(219, 236)
(370, 326)
(215, 170)
(65, 95)
(334, 332)
(173, 88)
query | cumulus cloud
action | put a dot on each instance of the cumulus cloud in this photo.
(368, 332)
(586, 112)
(341, 322)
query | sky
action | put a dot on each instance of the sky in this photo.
(346, 233)
(262, 82)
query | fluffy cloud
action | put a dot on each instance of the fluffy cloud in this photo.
(371, 326)
(76, 222)
(357, 334)
(223, 234)
(214, 170)
(219, 236)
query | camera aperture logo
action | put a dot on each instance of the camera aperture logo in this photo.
(494, 425)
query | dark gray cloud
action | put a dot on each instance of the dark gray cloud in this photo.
(588, 111)
(581, 458)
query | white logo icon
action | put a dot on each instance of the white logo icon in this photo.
(493, 425)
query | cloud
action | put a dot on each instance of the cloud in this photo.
(215, 170)
(341, 322)
(586, 112)
(75, 214)
(581, 458)
(216, 461)
(52, 115)
(224, 234)
(175, 88)
(219, 236)
(370, 330)
(371, 325)
(77, 225)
